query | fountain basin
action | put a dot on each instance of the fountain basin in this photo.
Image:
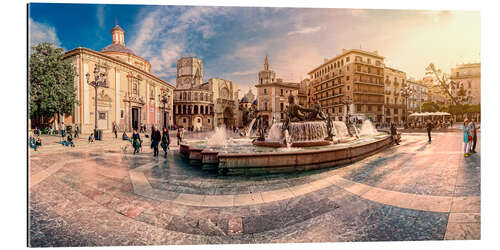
(277, 160)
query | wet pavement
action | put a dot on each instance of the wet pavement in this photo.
(98, 195)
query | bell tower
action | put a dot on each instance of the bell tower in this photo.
(118, 35)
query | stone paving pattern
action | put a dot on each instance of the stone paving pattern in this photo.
(96, 195)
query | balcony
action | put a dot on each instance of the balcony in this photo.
(367, 83)
(367, 73)
(387, 92)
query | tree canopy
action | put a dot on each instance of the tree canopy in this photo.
(51, 82)
(454, 90)
(430, 107)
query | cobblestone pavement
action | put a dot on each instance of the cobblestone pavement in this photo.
(97, 195)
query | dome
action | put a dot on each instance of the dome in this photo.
(255, 102)
(244, 100)
(116, 47)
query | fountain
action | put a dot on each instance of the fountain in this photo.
(306, 139)
(367, 128)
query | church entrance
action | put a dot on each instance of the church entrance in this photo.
(228, 117)
(135, 118)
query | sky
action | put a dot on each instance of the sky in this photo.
(234, 41)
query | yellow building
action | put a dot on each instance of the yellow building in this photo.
(356, 77)
(394, 110)
(132, 96)
(469, 77)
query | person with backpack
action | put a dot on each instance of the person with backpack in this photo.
(394, 134)
(165, 140)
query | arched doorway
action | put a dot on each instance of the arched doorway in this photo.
(228, 117)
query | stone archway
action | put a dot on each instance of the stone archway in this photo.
(228, 117)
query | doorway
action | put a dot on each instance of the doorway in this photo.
(135, 118)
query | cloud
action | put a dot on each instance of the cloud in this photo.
(248, 72)
(304, 31)
(165, 34)
(100, 15)
(39, 32)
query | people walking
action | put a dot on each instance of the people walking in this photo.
(429, 127)
(115, 130)
(136, 141)
(155, 140)
(473, 129)
(467, 137)
(179, 136)
(77, 131)
(70, 140)
(394, 134)
(165, 141)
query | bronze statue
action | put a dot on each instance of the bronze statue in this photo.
(316, 113)
(260, 128)
(294, 111)
(329, 127)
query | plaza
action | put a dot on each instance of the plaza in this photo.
(99, 195)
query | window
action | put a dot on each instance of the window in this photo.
(359, 68)
(102, 116)
(281, 91)
(121, 114)
(347, 78)
(265, 106)
(208, 120)
(348, 87)
(183, 120)
(347, 59)
(347, 68)
(134, 89)
(265, 91)
(199, 120)
(458, 74)
(281, 106)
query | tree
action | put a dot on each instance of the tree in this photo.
(454, 90)
(51, 83)
(430, 107)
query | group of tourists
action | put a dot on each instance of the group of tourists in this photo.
(157, 139)
(35, 141)
(469, 131)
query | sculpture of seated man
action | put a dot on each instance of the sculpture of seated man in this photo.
(316, 113)
(294, 111)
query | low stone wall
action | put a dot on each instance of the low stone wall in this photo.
(280, 162)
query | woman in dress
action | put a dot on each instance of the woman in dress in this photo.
(466, 134)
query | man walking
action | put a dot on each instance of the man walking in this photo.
(394, 134)
(115, 130)
(429, 129)
(473, 128)
(77, 131)
(179, 136)
(155, 140)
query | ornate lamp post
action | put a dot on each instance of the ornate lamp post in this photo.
(100, 80)
(406, 92)
(164, 99)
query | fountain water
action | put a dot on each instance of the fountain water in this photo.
(274, 133)
(218, 138)
(340, 130)
(250, 127)
(367, 128)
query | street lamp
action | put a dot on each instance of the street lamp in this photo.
(406, 92)
(100, 80)
(164, 99)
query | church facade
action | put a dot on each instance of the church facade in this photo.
(132, 96)
(202, 106)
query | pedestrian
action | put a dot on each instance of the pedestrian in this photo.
(429, 127)
(77, 131)
(165, 141)
(394, 134)
(91, 138)
(473, 129)
(70, 140)
(136, 141)
(155, 140)
(32, 142)
(63, 132)
(179, 136)
(467, 136)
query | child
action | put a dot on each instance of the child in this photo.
(91, 138)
